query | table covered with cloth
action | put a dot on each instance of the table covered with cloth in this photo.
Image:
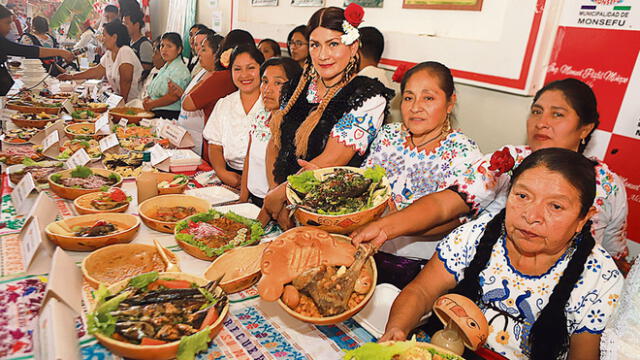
(254, 329)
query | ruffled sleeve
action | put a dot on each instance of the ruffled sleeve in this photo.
(482, 188)
(458, 248)
(358, 127)
(610, 222)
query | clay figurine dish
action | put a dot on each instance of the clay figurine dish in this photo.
(298, 259)
(465, 324)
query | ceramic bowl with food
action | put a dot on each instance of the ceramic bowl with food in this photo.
(30, 108)
(339, 199)
(39, 170)
(183, 298)
(72, 183)
(240, 267)
(171, 183)
(210, 234)
(112, 201)
(114, 263)
(317, 277)
(90, 232)
(84, 129)
(33, 120)
(132, 114)
(19, 136)
(162, 213)
(91, 106)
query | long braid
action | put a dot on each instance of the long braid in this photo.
(549, 338)
(278, 116)
(306, 128)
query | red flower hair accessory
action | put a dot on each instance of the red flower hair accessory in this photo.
(354, 14)
(399, 73)
(501, 161)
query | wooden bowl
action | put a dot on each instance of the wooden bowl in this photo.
(172, 190)
(83, 205)
(150, 206)
(122, 261)
(121, 112)
(97, 108)
(24, 123)
(329, 320)
(70, 130)
(340, 224)
(72, 193)
(240, 267)
(155, 352)
(34, 109)
(129, 225)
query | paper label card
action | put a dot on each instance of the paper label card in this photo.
(31, 240)
(113, 100)
(158, 155)
(178, 136)
(94, 92)
(123, 122)
(21, 191)
(68, 106)
(55, 335)
(79, 158)
(108, 142)
(102, 121)
(146, 122)
(65, 281)
(50, 140)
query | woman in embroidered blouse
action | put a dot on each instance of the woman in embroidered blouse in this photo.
(563, 114)
(165, 103)
(228, 127)
(274, 73)
(421, 155)
(119, 64)
(332, 115)
(531, 268)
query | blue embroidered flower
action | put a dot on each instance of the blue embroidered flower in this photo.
(596, 316)
(593, 265)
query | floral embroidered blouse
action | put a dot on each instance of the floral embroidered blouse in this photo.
(359, 127)
(414, 174)
(486, 190)
(512, 301)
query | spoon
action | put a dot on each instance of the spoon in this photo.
(171, 267)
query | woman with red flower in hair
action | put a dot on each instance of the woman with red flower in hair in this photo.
(331, 116)
(563, 115)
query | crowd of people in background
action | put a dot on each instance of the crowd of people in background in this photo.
(459, 220)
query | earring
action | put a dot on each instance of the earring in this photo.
(583, 141)
(351, 68)
(447, 124)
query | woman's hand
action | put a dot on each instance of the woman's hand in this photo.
(66, 55)
(174, 89)
(275, 207)
(393, 334)
(147, 104)
(64, 77)
(307, 165)
(373, 231)
(230, 178)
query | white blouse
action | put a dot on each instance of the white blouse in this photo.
(512, 301)
(229, 125)
(125, 55)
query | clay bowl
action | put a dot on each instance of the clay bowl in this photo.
(127, 224)
(73, 193)
(339, 224)
(73, 130)
(117, 262)
(155, 352)
(240, 267)
(83, 205)
(34, 109)
(20, 121)
(121, 112)
(95, 107)
(330, 320)
(149, 207)
(171, 190)
(195, 251)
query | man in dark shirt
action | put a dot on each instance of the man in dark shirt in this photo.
(142, 46)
